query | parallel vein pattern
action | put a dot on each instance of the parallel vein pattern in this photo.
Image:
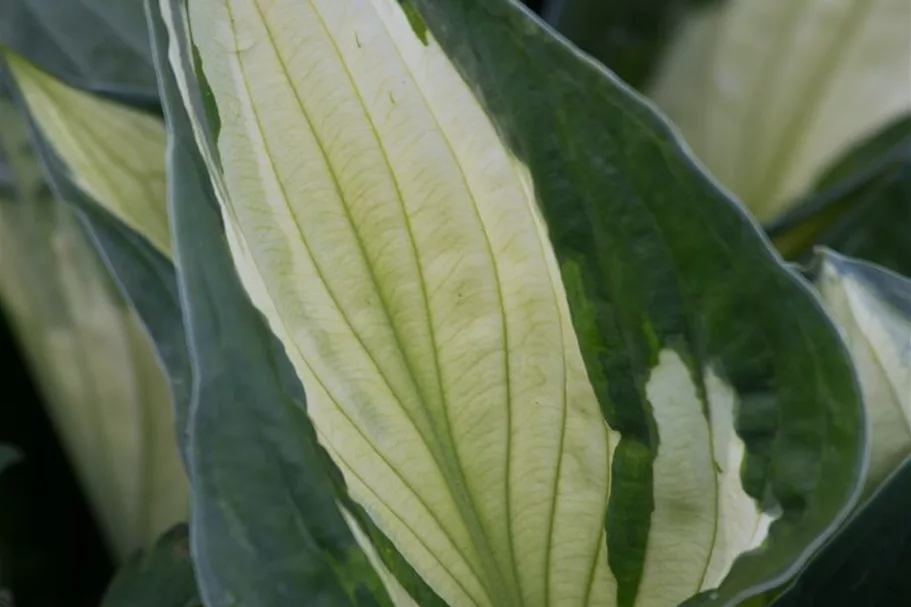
(115, 153)
(400, 256)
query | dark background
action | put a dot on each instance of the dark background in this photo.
(50, 549)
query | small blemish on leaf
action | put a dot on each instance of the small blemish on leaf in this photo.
(357, 40)
(415, 19)
(392, 98)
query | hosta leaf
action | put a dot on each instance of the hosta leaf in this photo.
(107, 395)
(99, 45)
(159, 577)
(116, 183)
(860, 205)
(386, 221)
(267, 525)
(115, 154)
(649, 281)
(873, 307)
(448, 312)
(769, 92)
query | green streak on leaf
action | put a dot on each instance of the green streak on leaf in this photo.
(415, 19)
(653, 254)
(416, 587)
(629, 516)
(208, 98)
(585, 322)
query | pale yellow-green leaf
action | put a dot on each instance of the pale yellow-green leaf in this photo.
(395, 245)
(92, 360)
(114, 153)
(702, 517)
(769, 92)
(879, 338)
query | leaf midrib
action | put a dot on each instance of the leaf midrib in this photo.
(321, 274)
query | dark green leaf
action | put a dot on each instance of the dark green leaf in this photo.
(7, 187)
(161, 577)
(99, 45)
(871, 552)
(860, 207)
(857, 563)
(662, 259)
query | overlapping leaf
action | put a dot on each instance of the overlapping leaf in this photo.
(860, 206)
(99, 45)
(103, 46)
(108, 396)
(684, 315)
(107, 162)
(115, 154)
(770, 92)
(268, 524)
(865, 563)
(873, 307)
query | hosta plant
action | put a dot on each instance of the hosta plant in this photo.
(95, 365)
(451, 314)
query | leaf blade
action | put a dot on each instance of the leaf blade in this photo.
(95, 45)
(416, 378)
(287, 540)
(761, 115)
(76, 328)
(873, 307)
(667, 259)
(643, 285)
(115, 154)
